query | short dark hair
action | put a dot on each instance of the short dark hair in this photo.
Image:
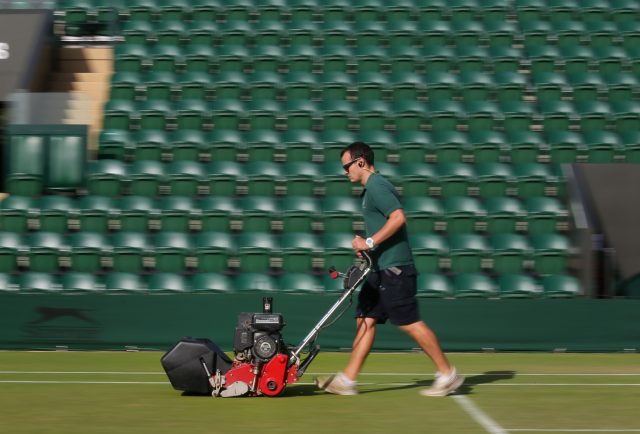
(358, 150)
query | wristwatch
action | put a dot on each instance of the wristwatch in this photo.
(370, 243)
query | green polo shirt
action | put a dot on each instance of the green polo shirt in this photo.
(379, 200)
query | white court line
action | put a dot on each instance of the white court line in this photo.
(570, 430)
(478, 415)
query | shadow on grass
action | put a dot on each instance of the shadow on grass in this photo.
(466, 389)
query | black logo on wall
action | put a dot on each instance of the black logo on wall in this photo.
(63, 323)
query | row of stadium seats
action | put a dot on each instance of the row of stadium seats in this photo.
(264, 178)
(507, 86)
(303, 146)
(261, 251)
(339, 58)
(429, 285)
(349, 11)
(59, 214)
(404, 115)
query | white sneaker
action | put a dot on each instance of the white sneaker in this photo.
(444, 384)
(337, 384)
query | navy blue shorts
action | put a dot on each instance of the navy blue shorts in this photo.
(387, 295)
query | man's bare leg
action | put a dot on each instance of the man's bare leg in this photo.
(362, 343)
(428, 342)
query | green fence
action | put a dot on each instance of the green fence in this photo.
(156, 321)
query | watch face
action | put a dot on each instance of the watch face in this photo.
(369, 242)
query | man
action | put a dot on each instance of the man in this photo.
(390, 290)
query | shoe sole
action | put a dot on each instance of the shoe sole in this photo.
(448, 391)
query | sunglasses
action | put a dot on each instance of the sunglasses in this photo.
(349, 164)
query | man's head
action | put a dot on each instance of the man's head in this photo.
(357, 160)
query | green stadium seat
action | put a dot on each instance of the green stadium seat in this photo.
(88, 250)
(299, 115)
(122, 281)
(300, 145)
(463, 214)
(487, 146)
(504, 214)
(525, 146)
(481, 116)
(125, 86)
(114, 144)
(177, 213)
(434, 285)
(561, 286)
(262, 115)
(301, 178)
(263, 178)
(261, 144)
(299, 282)
(172, 251)
(104, 177)
(130, 250)
(510, 252)
(258, 213)
(222, 177)
(185, 178)
(135, 213)
(149, 145)
(11, 247)
(340, 214)
(34, 281)
(566, 147)
(216, 213)
(412, 145)
(189, 145)
(493, 179)
(518, 286)
(467, 252)
(46, 250)
(602, 146)
(300, 252)
(131, 57)
(556, 116)
(443, 116)
(532, 179)
(455, 179)
(170, 31)
(338, 251)
(166, 281)
(630, 141)
(550, 253)
(15, 213)
(475, 285)
(93, 213)
(80, 281)
(258, 252)
(146, 178)
(448, 147)
(192, 115)
(300, 213)
(424, 214)
(214, 251)
(264, 85)
(211, 282)
(429, 251)
(255, 281)
(194, 85)
(545, 215)
(54, 213)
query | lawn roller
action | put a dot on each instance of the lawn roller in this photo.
(263, 364)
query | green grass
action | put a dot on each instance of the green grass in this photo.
(47, 392)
